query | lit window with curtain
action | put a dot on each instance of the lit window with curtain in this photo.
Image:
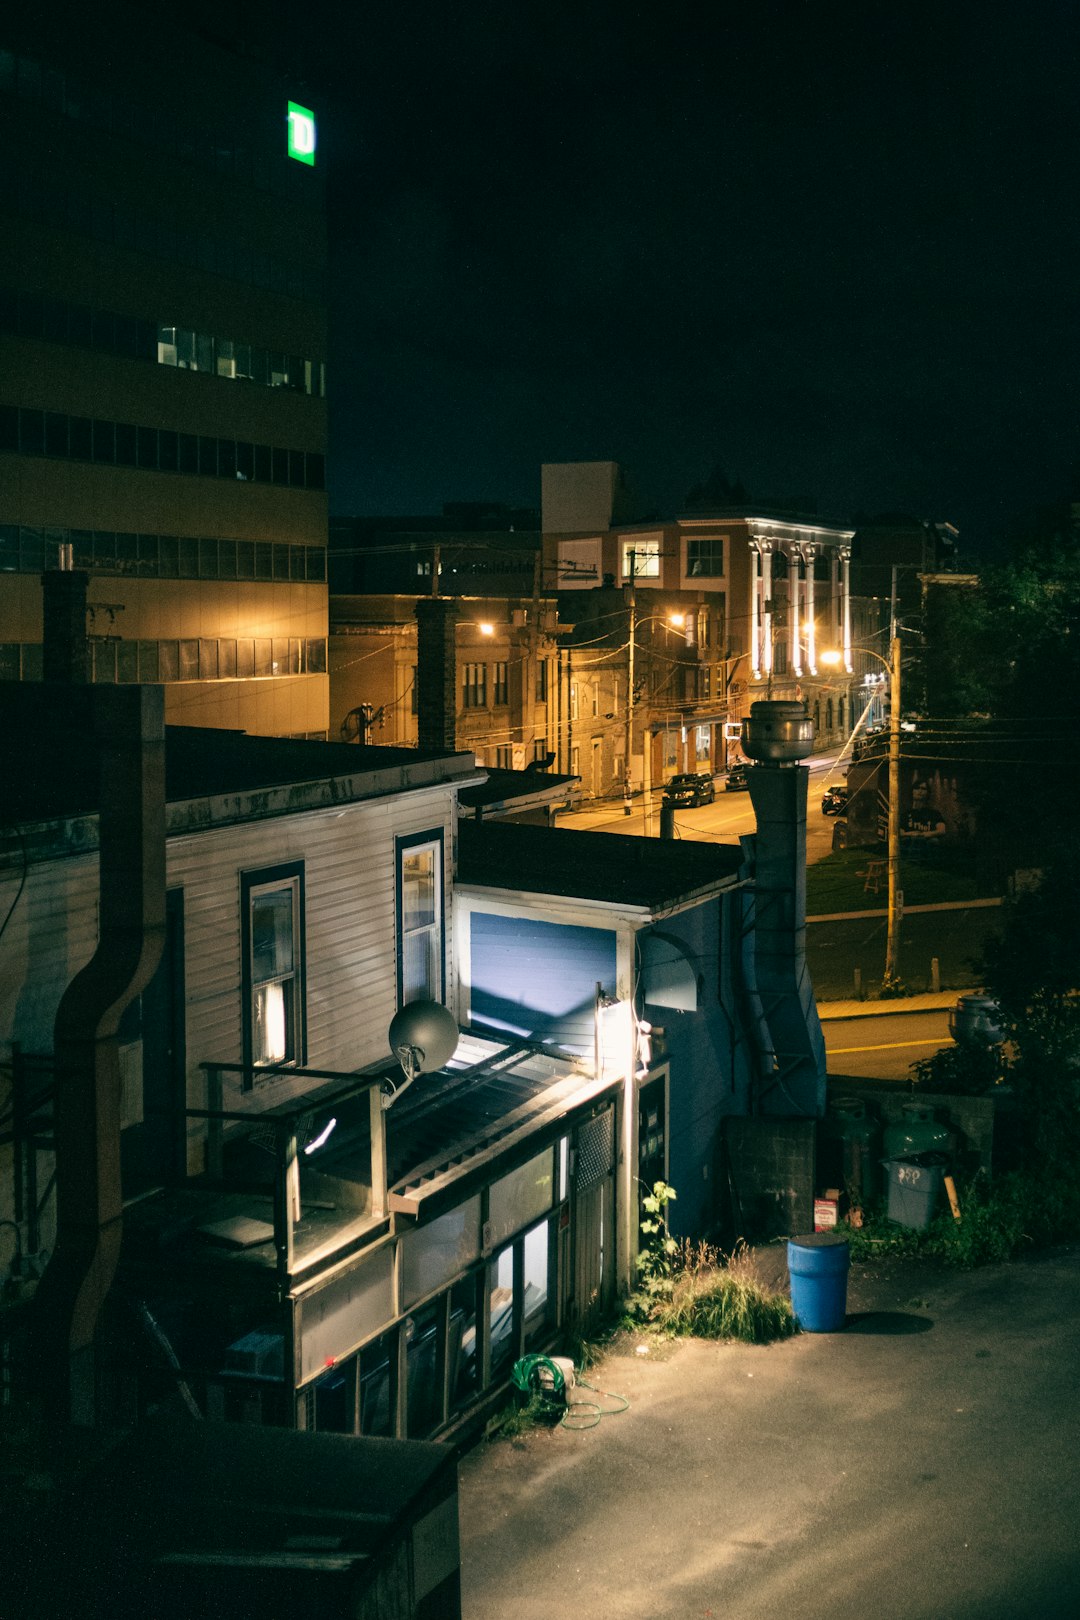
(420, 918)
(273, 966)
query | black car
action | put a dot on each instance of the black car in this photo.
(690, 789)
(834, 800)
(736, 780)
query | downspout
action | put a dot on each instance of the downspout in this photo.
(128, 730)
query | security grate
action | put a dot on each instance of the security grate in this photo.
(595, 1150)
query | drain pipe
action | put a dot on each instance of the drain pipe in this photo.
(128, 731)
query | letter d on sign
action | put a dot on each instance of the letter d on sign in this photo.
(301, 134)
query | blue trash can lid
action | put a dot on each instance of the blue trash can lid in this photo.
(820, 1240)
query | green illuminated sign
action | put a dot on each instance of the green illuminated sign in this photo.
(301, 134)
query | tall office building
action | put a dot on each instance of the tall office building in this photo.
(162, 362)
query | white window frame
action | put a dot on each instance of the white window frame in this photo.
(430, 843)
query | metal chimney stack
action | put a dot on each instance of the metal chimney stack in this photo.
(776, 736)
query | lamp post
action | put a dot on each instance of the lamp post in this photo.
(895, 895)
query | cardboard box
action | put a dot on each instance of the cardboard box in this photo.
(827, 1210)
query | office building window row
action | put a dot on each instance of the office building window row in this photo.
(255, 156)
(57, 321)
(25, 550)
(115, 661)
(33, 193)
(123, 444)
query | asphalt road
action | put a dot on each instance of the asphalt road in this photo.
(882, 1046)
(920, 1465)
(723, 821)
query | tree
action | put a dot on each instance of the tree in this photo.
(1032, 970)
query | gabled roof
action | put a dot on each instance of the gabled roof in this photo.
(653, 873)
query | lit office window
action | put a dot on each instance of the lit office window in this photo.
(641, 559)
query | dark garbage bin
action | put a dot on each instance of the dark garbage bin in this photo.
(914, 1188)
(818, 1265)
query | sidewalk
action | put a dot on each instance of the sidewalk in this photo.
(934, 1001)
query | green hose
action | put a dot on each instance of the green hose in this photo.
(527, 1378)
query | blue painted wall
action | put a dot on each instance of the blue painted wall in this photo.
(539, 978)
(709, 1063)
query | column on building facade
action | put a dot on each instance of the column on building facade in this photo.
(834, 599)
(845, 566)
(795, 607)
(766, 608)
(810, 554)
(755, 599)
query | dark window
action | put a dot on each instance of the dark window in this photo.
(226, 559)
(245, 658)
(32, 432)
(226, 458)
(81, 325)
(31, 315)
(104, 441)
(316, 563)
(56, 434)
(263, 665)
(168, 661)
(280, 466)
(296, 468)
(264, 464)
(208, 559)
(189, 453)
(281, 562)
(9, 427)
(148, 661)
(245, 460)
(208, 457)
(541, 680)
(168, 450)
(127, 552)
(208, 660)
(104, 330)
(189, 558)
(80, 438)
(189, 660)
(245, 559)
(264, 560)
(316, 657)
(126, 336)
(55, 320)
(226, 660)
(475, 686)
(148, 447)
(127, 661)
(502, 684)
(125, 444)
(168, 556)
(316, 471)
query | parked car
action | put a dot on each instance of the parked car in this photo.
(736, 779)
(834, 800)
(690, 789)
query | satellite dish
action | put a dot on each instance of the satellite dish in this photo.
(423, 1036)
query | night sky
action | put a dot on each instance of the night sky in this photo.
(831, 249)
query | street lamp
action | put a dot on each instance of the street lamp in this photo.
(895, 896)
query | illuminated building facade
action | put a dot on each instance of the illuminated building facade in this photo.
(162, 364)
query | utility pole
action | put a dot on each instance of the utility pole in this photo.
(892, 947)
(630, 689)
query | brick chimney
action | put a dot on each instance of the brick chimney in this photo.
(64, 645)
(436, 672)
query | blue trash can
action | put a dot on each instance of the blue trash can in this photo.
(818, 1265)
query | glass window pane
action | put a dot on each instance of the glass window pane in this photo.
(272, 933)
(188, 557)
(378, 1385)
(281, 562)
(148, 447)
(263, 665)
(280, 473)
(423, 1342)
(245, 559)
(227, 660)
(517, 1199)
(125, 444)
(463, 1381)
(56, 434)
(538, 1300)
(189, 660)
(148, 661)
(167, 450)
(433, 1255)
(127, 661)
(264, 560)
(168, 661)
(32, 432)
(168, 556)
(264, 464)
(271, 1034)
(104, 441)
(316, 472)
(245, 658)
(501, 1315)
(208, 456)
(418, 888)
(208, 559)
(208, 660)
(245, 460)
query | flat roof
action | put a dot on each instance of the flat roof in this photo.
(649, 872)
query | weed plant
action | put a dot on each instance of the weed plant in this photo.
(718, 1297)
(999, 1220)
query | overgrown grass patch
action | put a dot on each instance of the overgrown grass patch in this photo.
(838, 882)
(713, 1296)
(999, 1220)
